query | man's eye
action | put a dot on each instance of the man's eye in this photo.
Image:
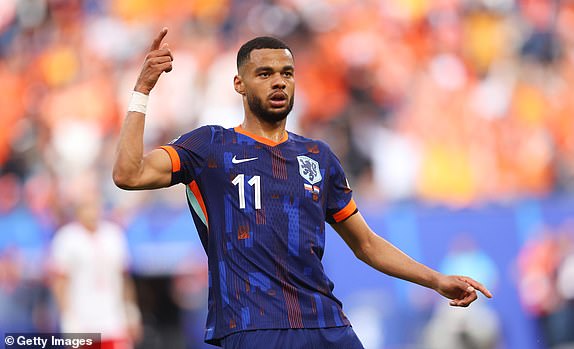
(263, 75)
(288, 74)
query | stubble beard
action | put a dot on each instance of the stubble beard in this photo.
(268, 115)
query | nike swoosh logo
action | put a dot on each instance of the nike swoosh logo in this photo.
(238, 161)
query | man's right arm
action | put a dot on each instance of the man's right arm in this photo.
(132, 169)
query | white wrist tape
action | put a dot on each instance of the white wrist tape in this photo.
(138, 102)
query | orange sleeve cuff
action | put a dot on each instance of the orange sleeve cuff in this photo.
(175, 162)
(346, 212)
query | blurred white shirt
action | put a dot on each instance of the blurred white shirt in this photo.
(94, 263)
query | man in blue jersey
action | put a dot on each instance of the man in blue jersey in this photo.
(259, 197)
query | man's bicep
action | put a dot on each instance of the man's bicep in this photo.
(355, 231)
(157, 169)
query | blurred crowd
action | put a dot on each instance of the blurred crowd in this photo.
(454, 102)
(450, 101)
(546, 271)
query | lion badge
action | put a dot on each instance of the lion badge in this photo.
(309, 169)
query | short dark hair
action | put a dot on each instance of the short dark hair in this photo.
(257, 43)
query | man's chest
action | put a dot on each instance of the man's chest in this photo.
(256, 175)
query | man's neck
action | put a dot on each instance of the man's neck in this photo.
(272, 131)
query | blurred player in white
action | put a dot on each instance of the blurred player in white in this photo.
(92, 289)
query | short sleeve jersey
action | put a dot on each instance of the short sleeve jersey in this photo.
(260, 209)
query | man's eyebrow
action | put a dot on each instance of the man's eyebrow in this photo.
(262, 69)
(268, 68)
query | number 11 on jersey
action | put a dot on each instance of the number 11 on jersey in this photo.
(255, 182)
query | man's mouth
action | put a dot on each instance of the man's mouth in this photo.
(278, 99)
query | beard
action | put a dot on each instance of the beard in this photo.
(268, 115)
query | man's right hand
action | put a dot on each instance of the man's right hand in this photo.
(157, 61)
(132, 170)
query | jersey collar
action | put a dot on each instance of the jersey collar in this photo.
(261, 139)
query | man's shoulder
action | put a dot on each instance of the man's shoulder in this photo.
(111, 228)
(201, 133)
(69, 234)
(70, 229)
(300, 138)
(313, 145)
(212, 129)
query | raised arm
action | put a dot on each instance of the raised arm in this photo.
(132, 169)
(385, 257)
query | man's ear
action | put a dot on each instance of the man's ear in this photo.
(238, 85)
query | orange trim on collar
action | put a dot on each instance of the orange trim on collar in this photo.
(261, 139)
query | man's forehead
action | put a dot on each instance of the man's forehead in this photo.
(270, 56)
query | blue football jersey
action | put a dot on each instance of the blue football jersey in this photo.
(260, 209)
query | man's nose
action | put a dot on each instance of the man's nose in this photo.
(279, 82)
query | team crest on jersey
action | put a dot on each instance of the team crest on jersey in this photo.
(309, 169)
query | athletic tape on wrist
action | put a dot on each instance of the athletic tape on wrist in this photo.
(138, 102)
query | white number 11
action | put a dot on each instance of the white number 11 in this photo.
(255, 182)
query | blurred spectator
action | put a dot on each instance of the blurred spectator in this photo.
(90, 281)
(564, 317)
(23, 237)
(565, 287)
(546, 266)
(452, 329)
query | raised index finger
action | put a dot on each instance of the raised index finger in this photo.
(157, 41)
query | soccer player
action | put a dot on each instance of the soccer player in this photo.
(90, 283)
(259, 196)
